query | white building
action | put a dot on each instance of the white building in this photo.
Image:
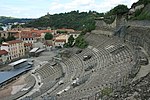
(28, 37)
(14, 48)
(60, 40)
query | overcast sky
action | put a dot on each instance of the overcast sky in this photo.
(38, 8)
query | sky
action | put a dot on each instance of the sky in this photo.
(38, 8)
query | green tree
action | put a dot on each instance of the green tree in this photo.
(48, 36)
(80, 42)
(74, 20)
(2, 40)
(10, 38)
(1, 29)
(120, 9)
(70, 40)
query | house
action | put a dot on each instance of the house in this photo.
(28, 37)
(3, 56)
(48, 44)
(28, 47)
(14, 48)
(60, 40)
(40, 34)
(64, 30)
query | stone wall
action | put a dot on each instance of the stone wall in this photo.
(139, 36)
(100, 24)
(137, 33)
(104, 32)
(137, 23)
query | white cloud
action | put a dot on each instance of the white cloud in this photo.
(86, 5)
(38, 8)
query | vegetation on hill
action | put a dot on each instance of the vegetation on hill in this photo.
(110, 16)
(74, 19)
(48, 36)
(145, 2)
(142, 14)
(120, 9)
(6, 20)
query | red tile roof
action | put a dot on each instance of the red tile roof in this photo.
(60, 40)
(28, 44)
(3, 52)
(34, 33)
(39, 32)
(26, 34)
(14, 41)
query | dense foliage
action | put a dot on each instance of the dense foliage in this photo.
(70, 40)
(1, 40)
(1, 29)
(74, 19)
(120, 9)
(48, 36)
(110, 16)
(6, 20)
(80, 42)
(143, 13)
(145, 2)
(9, 38)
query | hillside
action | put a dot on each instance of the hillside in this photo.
(143, 14)
(145, 2)
(6, 20)
(140, 10)
(74, 19)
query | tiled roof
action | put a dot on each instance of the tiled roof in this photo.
(26, 34)
(3, 52)
(28, 44)
(60, 40)
(39, 32)
(34, 33)
(14, 41)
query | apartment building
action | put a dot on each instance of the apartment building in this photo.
(3, 56)
(14, 48)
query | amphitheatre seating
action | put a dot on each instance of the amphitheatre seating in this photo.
(109, 67)
(49, 72)
(49, 75)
